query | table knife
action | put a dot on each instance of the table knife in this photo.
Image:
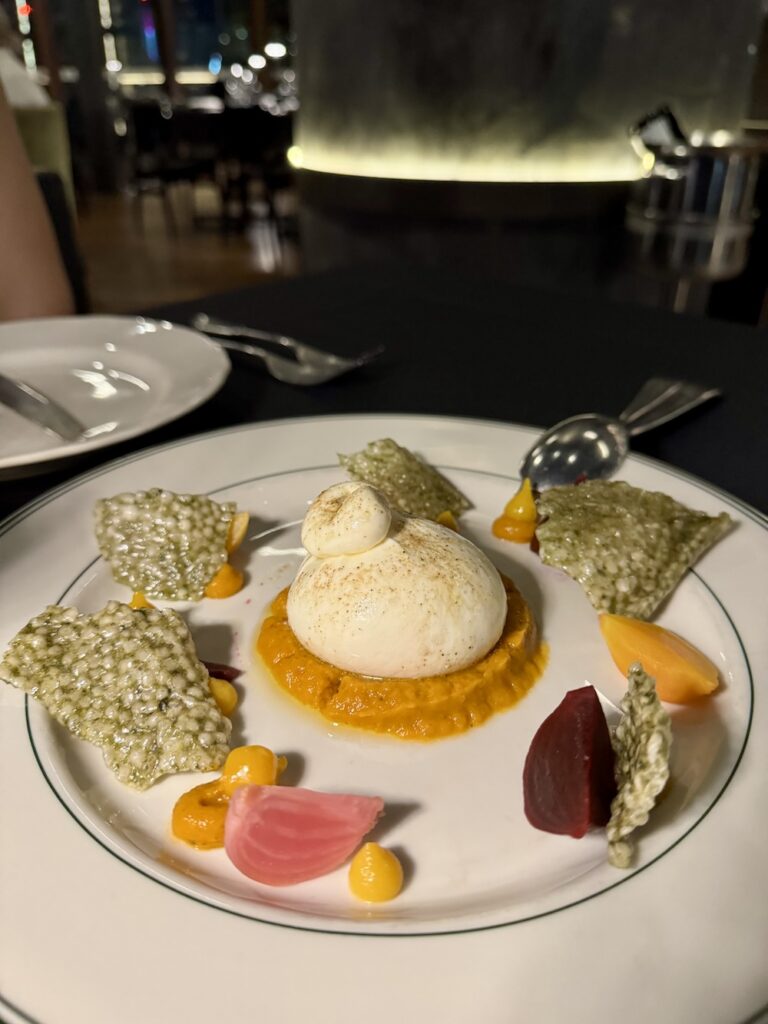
(39, 408)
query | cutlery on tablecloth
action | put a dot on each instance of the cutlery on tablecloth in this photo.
(594, 446)
(33, 405)
(308, 366)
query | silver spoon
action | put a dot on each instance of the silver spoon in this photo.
(594, 446)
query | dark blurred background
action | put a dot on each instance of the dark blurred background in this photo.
(611, 146)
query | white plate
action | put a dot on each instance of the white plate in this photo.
(499, 922)
(120, 376)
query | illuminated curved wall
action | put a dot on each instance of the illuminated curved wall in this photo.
(511, 90)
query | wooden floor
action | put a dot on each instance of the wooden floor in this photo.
(136, 258)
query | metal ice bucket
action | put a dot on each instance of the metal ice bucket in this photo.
(692, 214)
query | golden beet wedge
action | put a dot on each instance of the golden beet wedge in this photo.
(238, 528)
(681, 672)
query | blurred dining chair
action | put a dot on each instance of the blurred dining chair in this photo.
(59, 210)
(170, 146)
(255, 144)
(45, 137)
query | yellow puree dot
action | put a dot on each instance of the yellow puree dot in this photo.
(226, 582)
(448, 519)
(518, 521)
(199, 814)
(224, 693)
(375, 874)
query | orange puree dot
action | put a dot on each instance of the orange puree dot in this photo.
(224, 693)
(448, 519)
(227, 581)
(199, 814)
(518, 521)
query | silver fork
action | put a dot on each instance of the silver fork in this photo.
(310, 366)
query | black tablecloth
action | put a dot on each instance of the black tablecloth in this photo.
(463, 346)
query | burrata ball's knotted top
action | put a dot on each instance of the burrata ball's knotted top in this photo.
(346, 519)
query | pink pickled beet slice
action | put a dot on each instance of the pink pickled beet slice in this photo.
(568, 779)
(280, 835)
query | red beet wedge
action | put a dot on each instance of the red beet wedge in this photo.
(228, 672)
(568, 780)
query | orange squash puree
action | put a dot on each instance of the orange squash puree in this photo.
(413, 709)
(518, 521)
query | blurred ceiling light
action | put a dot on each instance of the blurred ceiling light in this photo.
(114, 66)
(224, 39)
(295, 156)
(289, 76)
(241, 33)
(28, 51)
(22, 17)
(275, 50)
(236, 70)
(121, 126)
(141, 77)
(257, 61)
(721, 138)
(648, 162)
(105, 14)
(214, 63)
(247, 76)
(110, 50)
(195, 77)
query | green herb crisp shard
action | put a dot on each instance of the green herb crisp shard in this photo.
(642, 742)
(411, 484)
(166, 545)
(627, 547)
(128, 681)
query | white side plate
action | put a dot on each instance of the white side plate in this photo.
(119, 376)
